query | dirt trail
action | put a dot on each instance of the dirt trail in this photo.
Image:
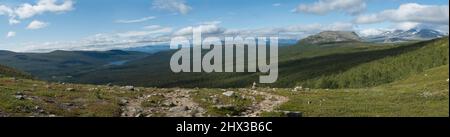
(175, 104)
(179, 103)
(269, 104)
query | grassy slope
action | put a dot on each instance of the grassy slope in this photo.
(424, 94)
(388, 69)
(295, 63)
(10, 72)
(57, 65)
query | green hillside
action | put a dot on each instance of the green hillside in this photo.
(60, 65)
(335, 65)
(412, 80)
(415, 59)
(423, 94)
(10, 72)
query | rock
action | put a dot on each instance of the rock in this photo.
(109, 84)
(138, 115)
(19, 93)
(254, 85)
(68, 104)
(228, 93)
(179, 109)
(227, 107)
(70, 89)
(123, 102)
(298, 88)
(293, 114)
(215, 100)
(19, 97)
(131, 88)
(168, 103)
(93, 89)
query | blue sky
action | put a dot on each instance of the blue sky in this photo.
(43, 25)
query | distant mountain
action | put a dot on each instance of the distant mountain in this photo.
(405, 35)
(150, 48)
(331, 37)
(59, 65)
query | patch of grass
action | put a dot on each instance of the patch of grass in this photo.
(424, 94)
(217, 104)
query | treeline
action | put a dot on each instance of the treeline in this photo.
(428, 55)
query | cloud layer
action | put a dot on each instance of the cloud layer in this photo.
(351, 7)
(35, 24)
(28, 10)
(177, 6)
(410, 12)
(10, 34)
(136, 20)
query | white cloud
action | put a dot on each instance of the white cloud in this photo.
(352, 7)
(410, 12)
(35, 24)
(5, 10)
(145, 32)
(406, 25)
(208, 28)
(149, 35)
(13, 21)
(136, 20)
(293, 31)
(177, 6)
(371, 32)
(151, 27)
(10, 34)
(276, 4)
(27, 10)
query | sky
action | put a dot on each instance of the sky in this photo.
(46, 25)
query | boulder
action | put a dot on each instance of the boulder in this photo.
(228, 93)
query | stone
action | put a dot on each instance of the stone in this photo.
(123, 102)
(228, 93)
(254, 85)
(215, 100)
(293, 114)
(19, 97)
(19, 93)
(70, 89)
(227, 107)
(298, 88)
(131, 88)
(179, 109)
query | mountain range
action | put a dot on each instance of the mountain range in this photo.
(414, 34)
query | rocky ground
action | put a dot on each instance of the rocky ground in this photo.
(179, 103)
(29, 98)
